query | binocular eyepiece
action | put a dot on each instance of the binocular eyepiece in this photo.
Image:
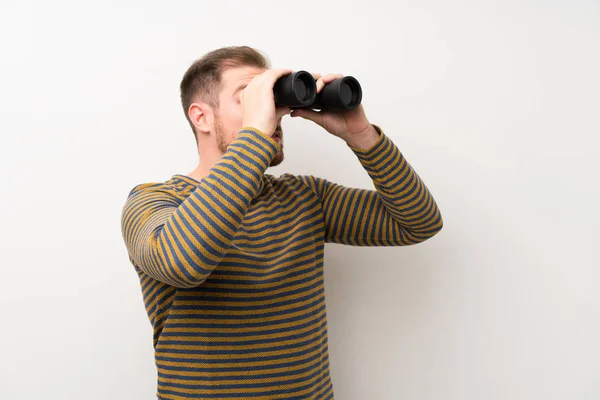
(299, 90)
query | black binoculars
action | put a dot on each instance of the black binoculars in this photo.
(299, 90)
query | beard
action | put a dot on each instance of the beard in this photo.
(223, 142)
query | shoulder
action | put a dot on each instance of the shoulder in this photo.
(166, 190)
(307, 181)
(286, 179)
(289, 178)
(147, 186)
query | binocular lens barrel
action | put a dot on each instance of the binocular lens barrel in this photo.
(341, 94)
(299, 90)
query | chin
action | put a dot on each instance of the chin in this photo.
(277, 160)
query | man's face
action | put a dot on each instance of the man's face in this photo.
(228, 119)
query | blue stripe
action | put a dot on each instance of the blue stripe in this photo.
(225, 171)
(242, 394)
(224, 276)
(375, 151)
(237, 152)
(236, 263)
(242, 334)
(248, 288)
(262, 340)
(230, 386)
(241, 317)
(223, 201)
(283, 321)
(274, 357)
(307, 229)
(174, 241)
(191, 222)
(295, 344)
(150, 298)
(240, 377)
(210, 369)
(169, 267)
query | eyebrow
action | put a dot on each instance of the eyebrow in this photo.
(243, 85)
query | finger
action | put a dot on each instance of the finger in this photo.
(320, 84)
(331, 77)
(327, 79)
(271, 75)
(308, 114)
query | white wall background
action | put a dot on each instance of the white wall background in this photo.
(496, 104)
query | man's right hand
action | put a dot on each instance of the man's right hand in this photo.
(258, 103)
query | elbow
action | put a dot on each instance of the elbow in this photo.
(431, 226)
(427, 232)
(439, 225)
(436, 226)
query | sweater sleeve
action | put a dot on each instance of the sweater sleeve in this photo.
(180, 242)
(401, 211)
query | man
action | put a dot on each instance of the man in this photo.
(230, 259)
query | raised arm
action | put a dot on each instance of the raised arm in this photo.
(180, 243)
(401, 211)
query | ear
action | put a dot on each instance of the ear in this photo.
(201, 116)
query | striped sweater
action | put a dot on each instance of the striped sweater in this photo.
(231, 267)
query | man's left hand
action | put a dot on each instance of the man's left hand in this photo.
(349, 125)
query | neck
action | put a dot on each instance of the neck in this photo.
(203, 169)
(207, 160)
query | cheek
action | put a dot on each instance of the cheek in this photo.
(232, 111)
(236, 118)
(236, 110)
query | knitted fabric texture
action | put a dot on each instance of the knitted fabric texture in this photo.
(231, 267)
